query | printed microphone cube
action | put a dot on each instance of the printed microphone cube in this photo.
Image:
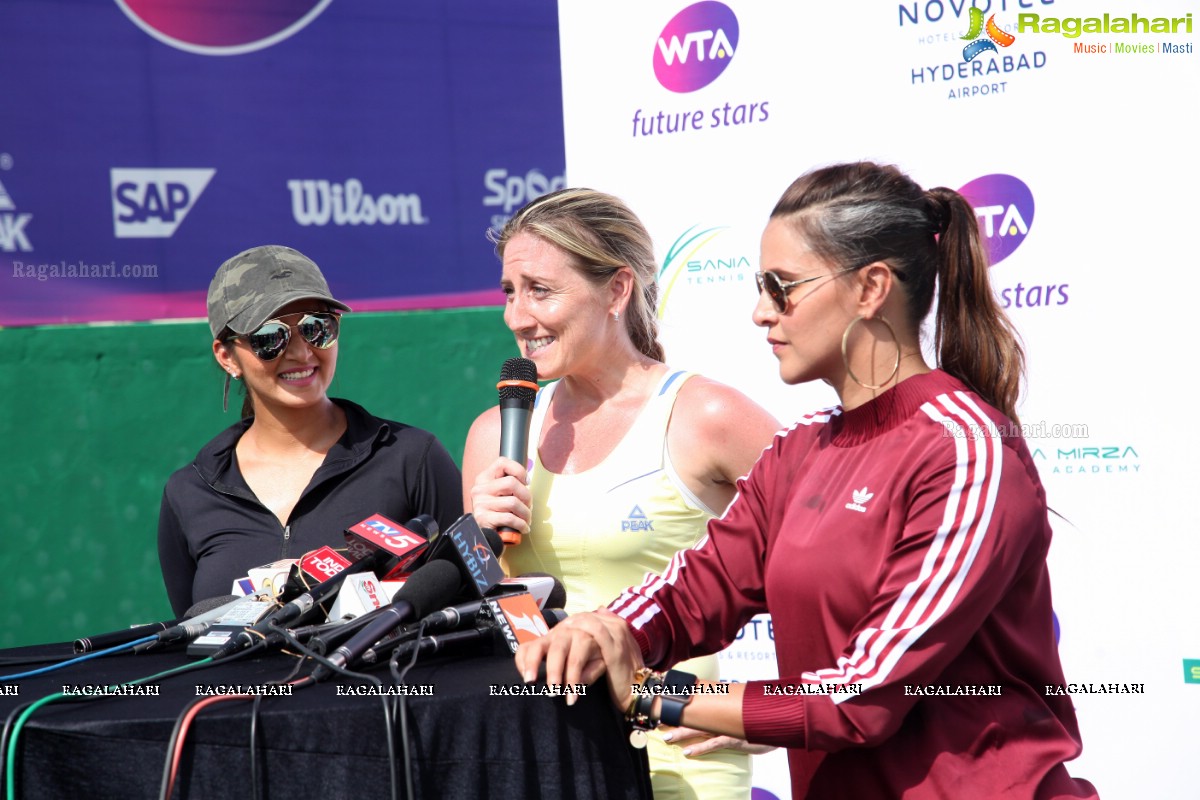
(378, 533)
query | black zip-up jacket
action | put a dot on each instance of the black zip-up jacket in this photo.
(212, 529)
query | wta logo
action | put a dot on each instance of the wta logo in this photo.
(995, 36)
(221, 28)
(696, 46)
(1004, 206)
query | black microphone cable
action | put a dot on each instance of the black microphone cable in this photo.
(400, 676)
(309, 680)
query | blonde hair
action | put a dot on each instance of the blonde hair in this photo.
(602, 235)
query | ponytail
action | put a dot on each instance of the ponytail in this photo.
(974, 339)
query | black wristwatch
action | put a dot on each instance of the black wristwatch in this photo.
(677, 693)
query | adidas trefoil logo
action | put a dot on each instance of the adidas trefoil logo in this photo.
(861, 496)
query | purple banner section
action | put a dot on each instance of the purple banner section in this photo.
(381, 139)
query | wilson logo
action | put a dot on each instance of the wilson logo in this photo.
(696, 46)
(320, 202)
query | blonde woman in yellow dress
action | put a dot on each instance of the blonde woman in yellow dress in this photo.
(629, 457)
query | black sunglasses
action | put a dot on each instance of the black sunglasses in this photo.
(320, 330)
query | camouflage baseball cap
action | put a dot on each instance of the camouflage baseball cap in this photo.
(250, 287)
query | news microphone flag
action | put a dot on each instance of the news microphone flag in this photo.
(377, 533)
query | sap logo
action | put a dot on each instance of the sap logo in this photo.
(514, 191)
(637, 521)
(696, 46)
(1004, 206)
(152, 203)
(12, 226)
(319, 202)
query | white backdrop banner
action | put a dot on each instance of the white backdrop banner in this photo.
(1071, 128)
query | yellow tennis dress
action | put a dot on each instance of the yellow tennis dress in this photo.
(600, 531)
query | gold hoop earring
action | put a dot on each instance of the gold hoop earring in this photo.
(846, 357)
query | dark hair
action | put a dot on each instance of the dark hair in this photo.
(603, 235)
(858, 213)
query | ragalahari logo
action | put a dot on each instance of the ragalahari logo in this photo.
(995, 36)
(1004, 207)
(219, 27)
(696, 46)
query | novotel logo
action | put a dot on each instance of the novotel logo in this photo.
(696, 46)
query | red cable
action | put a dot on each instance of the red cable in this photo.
(183, 730)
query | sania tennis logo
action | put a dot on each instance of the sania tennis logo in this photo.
(979, 45)
(696, 46)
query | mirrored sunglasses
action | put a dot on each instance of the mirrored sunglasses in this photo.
(319, 330)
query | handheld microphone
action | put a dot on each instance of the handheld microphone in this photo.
(429, 587)
(517, 388)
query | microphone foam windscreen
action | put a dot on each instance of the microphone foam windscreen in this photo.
(204, 606)
(432, 587)
(494, 541)
(518, 369)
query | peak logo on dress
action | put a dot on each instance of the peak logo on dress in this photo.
(221, 28)
(977, 41)
(1004, 206)
(696, 46)
(860, 499)
(636, 521)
